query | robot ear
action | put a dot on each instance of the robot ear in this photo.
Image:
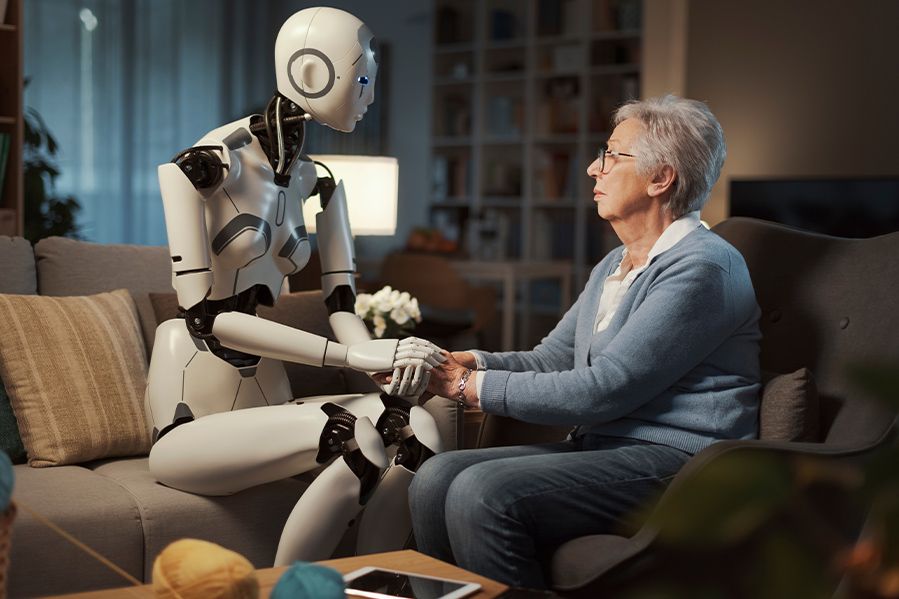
(307, 74)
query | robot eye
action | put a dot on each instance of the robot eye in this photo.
(362, 79)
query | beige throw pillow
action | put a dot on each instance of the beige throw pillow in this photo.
(789, 409)
(75, 372)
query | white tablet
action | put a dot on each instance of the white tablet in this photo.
(379, 583)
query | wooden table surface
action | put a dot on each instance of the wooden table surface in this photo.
(408, 560)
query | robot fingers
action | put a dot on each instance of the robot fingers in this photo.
(422, 384)
(422, 345)
(412, 361)
(395, 380)
(414, 381)
(418, 354)
(409, 375)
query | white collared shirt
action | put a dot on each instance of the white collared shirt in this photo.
(617, 284)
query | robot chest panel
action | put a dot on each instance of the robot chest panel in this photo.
(253, 221)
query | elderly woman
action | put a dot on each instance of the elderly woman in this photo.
(657, 359)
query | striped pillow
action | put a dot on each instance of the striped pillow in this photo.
(75, 369)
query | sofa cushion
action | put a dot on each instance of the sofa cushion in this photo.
(789, 408)
(71, 267)
(248, 522)
(10, 439)
(17, 272)
(75, 371)
(97, 511)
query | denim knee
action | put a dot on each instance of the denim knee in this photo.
(432, 478)
(477, 495)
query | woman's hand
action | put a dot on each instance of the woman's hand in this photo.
(446, 377)
(465, 358)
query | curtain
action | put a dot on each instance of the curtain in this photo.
(124, 85)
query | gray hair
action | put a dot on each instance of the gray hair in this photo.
(685, 135)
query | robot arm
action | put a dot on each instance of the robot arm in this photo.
(338, 263)
(257, 336)
(254, 335)
(183, 183)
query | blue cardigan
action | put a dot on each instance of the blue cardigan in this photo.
(678, 364)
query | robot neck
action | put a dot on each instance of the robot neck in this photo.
(281, 131)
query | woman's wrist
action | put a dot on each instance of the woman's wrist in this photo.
(472, 401)
(466, 389)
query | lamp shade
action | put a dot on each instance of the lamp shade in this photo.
(371, 185)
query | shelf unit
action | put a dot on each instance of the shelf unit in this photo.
(523, 92)
(11, 123)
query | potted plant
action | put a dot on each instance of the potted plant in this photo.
(45, 213)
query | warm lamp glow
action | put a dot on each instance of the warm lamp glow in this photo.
(371, 192)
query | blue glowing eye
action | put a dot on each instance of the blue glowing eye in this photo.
(363, 80)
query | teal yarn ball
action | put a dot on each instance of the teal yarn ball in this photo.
(309, 581)
(6, 481)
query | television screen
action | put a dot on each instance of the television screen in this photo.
(840, 207)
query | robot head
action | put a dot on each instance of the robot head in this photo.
(325, 64)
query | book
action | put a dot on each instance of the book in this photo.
(4, 158)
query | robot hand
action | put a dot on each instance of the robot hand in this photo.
(411, 368)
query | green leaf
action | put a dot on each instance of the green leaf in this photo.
(888, 515)
(881, 472)
(725, 501)
(788, 569)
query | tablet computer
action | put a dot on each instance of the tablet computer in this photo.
(380, 583)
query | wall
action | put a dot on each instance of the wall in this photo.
(805, 88)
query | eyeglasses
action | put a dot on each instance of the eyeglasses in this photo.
(605, 151)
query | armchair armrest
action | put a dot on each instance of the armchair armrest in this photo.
(499, 431)
(619, 559)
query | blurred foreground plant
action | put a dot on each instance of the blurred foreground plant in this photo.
(757, 522)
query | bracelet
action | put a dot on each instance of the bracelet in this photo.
(462, 382)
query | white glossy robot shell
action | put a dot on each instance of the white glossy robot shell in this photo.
(325, 64)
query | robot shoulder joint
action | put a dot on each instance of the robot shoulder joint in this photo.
(202, 165)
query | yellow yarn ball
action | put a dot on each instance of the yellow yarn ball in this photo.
(191, 568)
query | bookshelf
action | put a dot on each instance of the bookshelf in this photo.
(523, 92)
(11, 124)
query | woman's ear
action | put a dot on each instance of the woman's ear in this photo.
(662, 182)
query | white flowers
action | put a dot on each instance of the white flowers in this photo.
(388, 310)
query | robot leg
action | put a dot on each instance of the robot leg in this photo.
(386, 524)
(336, 496)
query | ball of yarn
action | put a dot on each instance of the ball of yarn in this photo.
(309, 581)
(190, 568)
(6, 480)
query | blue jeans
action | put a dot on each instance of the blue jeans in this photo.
(502, 511)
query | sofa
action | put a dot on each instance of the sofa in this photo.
(113, 505)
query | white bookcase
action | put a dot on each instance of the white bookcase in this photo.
(522, 96)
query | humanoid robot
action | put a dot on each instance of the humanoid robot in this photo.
(223, 415)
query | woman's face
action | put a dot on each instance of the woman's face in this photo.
(620, 192)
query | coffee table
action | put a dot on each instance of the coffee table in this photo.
(407, 560)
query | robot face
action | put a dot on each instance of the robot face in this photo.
(326, 64)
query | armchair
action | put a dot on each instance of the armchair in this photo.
(827, 303)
